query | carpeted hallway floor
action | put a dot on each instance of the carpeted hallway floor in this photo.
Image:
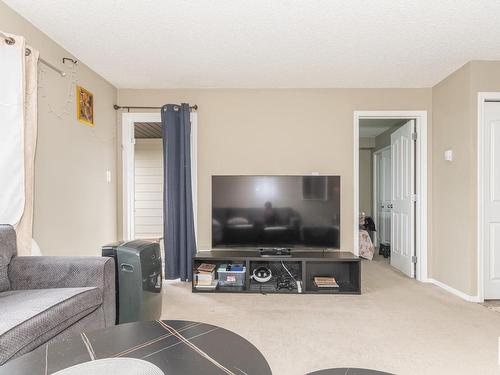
(397, 325)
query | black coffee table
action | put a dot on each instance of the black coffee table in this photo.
(175, 346)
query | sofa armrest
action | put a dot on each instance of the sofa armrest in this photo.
(46, 272)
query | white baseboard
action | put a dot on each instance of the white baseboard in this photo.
(454, 291)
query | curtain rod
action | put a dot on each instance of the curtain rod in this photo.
(10, 41)
(117, 107)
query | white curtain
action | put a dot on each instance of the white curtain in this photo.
(18, 130)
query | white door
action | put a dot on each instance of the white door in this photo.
(403, 206)
(383, 197)
(148, 188)
(491, 200)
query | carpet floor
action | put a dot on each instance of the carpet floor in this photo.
(397, 325)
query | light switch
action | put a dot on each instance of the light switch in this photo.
(108, 176)
(448, 155)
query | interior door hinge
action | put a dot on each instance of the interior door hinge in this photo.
(414, 197)
(414, 136)
(414, 259)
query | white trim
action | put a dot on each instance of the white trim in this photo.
(481, 99)
(146, 141)
(356, 182)
(376, 155)
(421, 189)
(128, 120)
(194, 171)
(454, 291)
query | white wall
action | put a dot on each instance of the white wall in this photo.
(148, 188)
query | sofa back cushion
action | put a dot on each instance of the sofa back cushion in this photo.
(8, 249)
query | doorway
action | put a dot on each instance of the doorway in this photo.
(488, 196)
(148, 181)
(381, 182)
(140, 131)
(390, 159)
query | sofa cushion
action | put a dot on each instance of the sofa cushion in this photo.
(7, 251)
(29, 314)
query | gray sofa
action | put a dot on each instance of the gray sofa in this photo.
(48, 298)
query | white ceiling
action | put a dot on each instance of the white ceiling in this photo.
(264, 43)
(369, 128)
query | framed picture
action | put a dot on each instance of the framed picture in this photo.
(85, 106)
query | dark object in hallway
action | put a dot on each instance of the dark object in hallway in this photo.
(369, 224)
(385, 250)
(185, 347)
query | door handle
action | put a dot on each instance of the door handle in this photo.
(125, 267)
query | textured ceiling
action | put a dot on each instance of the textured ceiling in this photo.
(271, 44)
(147, 130)
(372, 127)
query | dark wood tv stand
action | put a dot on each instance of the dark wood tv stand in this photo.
(343, 265)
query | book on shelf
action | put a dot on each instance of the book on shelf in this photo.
(325, 282)
(206, 268)
(211, 286)
(204, 278)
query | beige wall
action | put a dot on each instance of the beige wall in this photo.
(454, 204)
(366, 142)
(75, 208)
(250, 131)
(278, 132)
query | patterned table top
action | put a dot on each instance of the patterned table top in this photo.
(348, 371)
(175, 346)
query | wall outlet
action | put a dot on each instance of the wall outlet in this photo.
(448, 155)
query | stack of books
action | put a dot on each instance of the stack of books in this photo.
(325, 282)
(205, 276)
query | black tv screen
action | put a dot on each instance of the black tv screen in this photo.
(300, 212)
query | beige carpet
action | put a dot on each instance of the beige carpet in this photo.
(493, 305)
(397, 325)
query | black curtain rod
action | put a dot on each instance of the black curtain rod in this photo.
(117, 107)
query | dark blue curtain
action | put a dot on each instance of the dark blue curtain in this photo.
(179, 238)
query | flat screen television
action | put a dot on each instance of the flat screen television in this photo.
(300, 212)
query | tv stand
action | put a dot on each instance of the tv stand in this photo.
(304, 265)
(283, 252)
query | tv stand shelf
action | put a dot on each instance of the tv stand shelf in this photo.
(304, 265)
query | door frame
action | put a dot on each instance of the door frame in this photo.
(482, 98)
(376, 155)
(128, 153)
(420, 118)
